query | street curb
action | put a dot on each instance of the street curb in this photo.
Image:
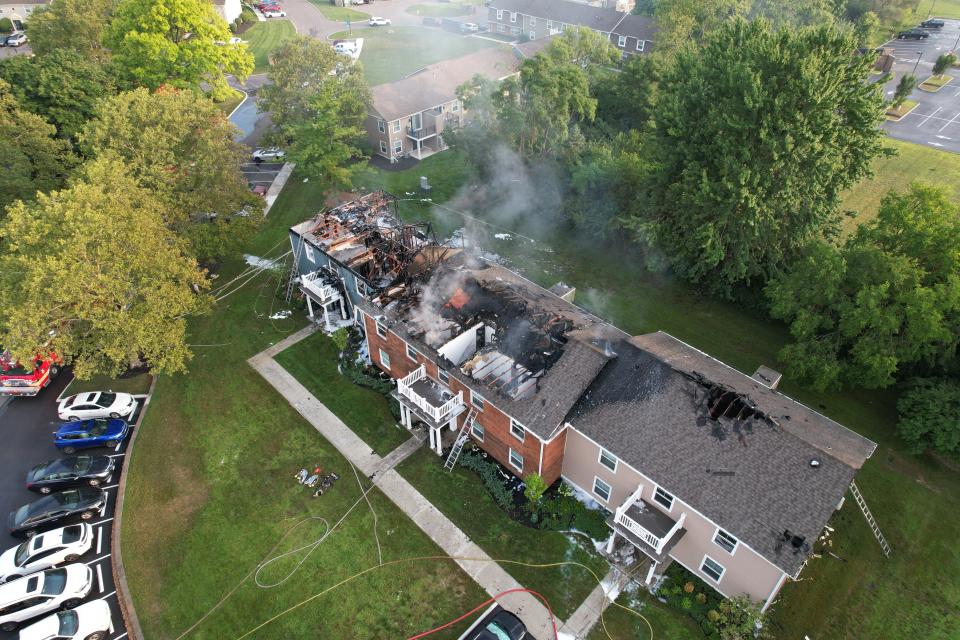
(246, 96)
(119, 573)
(277, 185)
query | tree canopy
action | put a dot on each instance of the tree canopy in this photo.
(756, 135)
(74, 25)
(180, 146)
(95, 267)
(929, 416)
(174, 42)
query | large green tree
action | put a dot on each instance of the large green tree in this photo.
(757, 133)
(929, 416)
(74, 25)
(32, 159)
(684, 22)
(317, 102)
(95, 267)
(181, 147)
(887, 301)
(174, 42)
(63, 86)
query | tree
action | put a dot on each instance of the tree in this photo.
(534, 488)
(74, 25)
(906, 85)
(757, 135)
(476, 95)
(582, 46)
(943, 62)
(866, 28)
(929, 416)
(741, 619)
(797, 13)
(887, 300)
(627, 100)
(95, 267)
(31, 158)
(688, 22)
(180, 146)
(174, 42)
(318, 104)
(63, 86)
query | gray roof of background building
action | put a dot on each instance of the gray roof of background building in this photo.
(752, 477)
(640, 27)
(599, 18)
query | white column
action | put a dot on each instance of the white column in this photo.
(436, 438)
(611, 541)
(409, 423)
(309, 308)
(653, 568)
(326, 318)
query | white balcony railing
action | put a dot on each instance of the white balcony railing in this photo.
(657, 542)
(313, 282)
(438, 414)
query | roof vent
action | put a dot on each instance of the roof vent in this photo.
(814, 463)
(767, 376)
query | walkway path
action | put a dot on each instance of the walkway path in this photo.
(454, 542)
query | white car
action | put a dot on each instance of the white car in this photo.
(41, 593)
(46, 550)
(272, 153)
(90, 621)
(233, 40)
(377, 21)
(469, 27)
(96, 404)
(274, 13)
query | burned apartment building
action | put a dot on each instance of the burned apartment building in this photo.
(696, 462)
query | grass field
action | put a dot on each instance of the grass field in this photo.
(667, 623)
(135, 384)
(339, 14)
(448, 10)
(390, 53)
(211, 494)
(313, 362)
(460, 496)
(264, 38)
(231, 103)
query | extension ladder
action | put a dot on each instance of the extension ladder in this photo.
(869, 516)
(294, 273)
(460, 441)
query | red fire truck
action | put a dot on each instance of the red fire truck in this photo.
(17, 379)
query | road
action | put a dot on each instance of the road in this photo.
(26, 427)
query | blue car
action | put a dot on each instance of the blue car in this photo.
(98, 432)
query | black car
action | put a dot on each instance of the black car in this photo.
(913, 34)
(933, 23)
(69, 472)
(501, 625)
(56, 509)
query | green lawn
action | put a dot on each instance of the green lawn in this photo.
(313, 362)
(935, 83)
(211, 494)
(231, 103)
(667, 623)
(264, 38)
(390, 53)
(447, 10)
(460, 496)
(136, 384)
(339, 14)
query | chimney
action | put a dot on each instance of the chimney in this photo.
(767, 376)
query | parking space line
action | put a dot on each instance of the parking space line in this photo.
(112, 486)
(99, 539)
(107, 596)
(949, 122)
(924, 121)
(119, 444)
(96, 560)
(119, 455)
(102, 521)
(100, 577)
(122, 635)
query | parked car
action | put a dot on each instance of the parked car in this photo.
(274, 13)
(233, 40)
(96, 404)
(56, 510)
(377, 21)
(45, 551)
(41, 593)
(271, 153)
(64, 473)
(85, 434)
(933, 23)
(502, 625)
(89, 621)
(346, 47)
(913, 34)
(16, 39)
(469, 27)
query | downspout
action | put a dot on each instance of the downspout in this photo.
(773, 593)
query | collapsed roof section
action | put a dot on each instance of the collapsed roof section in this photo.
(368, 237)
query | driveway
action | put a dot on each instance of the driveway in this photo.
(26, 426)
(935, 121)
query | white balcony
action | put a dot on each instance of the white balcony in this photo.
(647, 525)
(316, 284)
(432, 400)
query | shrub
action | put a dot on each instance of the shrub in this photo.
(535, 488)
(561, 512)
(701, 598)
(340, 338)
(491, 477)
(5, 25)
(688, 587)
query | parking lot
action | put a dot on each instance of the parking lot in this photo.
(261, 174)
(26, 429)
(936, 119)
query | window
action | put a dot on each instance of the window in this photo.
(412, 353)
(622, 41)
(517, 430)
(477, 430)
(455, 107)
(500, 28)
(398, 146)
(499, 14)
(383, 147)
(396, 126)
(533, 35)
(711, 568)
(601, 489)
(725, 541)
(663, 498)
(516, 460)
(384, 359)
(443, 376)
(563, 27)
(513, 17)
(309, 251)
(608, 460)
(515, 30)
(381, 330)
(381, 126)
(361, 286)
(640, 44)
(549, 25)
(477, 401)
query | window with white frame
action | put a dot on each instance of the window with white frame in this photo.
(549, 25)
(664, 498)
(515, 30)
(398, 146)
(309, 251)
(516, 460)
(381, 330)
(396, 126)
(499, 14)
(381, 126)
(384, 359)
(622, 41)
(383, 147)
(477, 401)
(412, 353)
(361, 286)
(443, 376)
(513, 17)
(725, 541)
(533, 35)
(501, 28)
(517, 430)
(456, 106)
(711, 568)
(477, 430)
(601, 489)
(640, 44)
(608, 460)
